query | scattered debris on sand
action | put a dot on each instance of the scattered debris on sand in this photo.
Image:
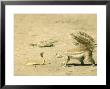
(45, 43)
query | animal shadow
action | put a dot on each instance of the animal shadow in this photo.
(74, 64)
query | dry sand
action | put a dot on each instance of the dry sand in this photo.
(32, 28)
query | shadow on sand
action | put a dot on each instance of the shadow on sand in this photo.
(74, 64)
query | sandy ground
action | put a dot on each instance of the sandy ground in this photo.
(30, 29)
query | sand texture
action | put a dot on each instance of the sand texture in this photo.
(30, 30)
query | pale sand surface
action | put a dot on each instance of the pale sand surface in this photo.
(32, 28)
